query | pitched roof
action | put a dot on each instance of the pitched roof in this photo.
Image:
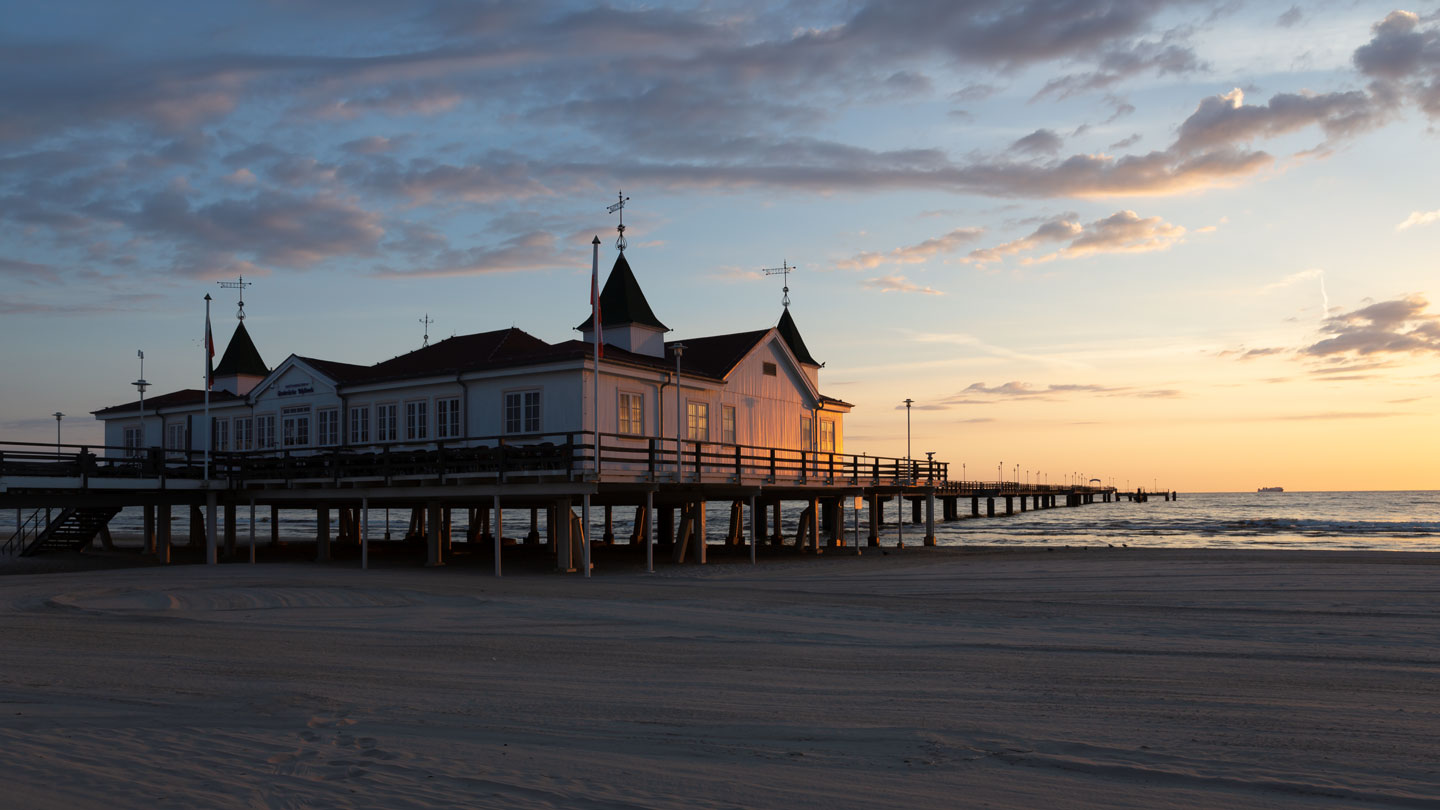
(791, 333)
(186, 396)
(716, 355)
(337, 371)
(622, 302)
(241, 356)
(453, 355)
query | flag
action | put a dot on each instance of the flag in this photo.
(209, 351)
(595, 308)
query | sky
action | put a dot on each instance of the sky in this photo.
(1179, 244)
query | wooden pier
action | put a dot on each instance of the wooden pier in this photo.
(63, 496)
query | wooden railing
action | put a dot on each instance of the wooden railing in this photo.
(570, 456)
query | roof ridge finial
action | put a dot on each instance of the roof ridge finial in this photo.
(620, 207)
(784, 269)
(238, 285)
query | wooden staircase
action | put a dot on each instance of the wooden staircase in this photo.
(72, 530)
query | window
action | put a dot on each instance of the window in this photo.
(827, 435)
(219, 434)
(360, 424)
(244, 439)
(132, 442)
(727, 424)
(807, 433)
(697, 421)
(175, 436)
(415, 420)
(447, 418)
(522, 412)
(632, 414)
(769, 369)
(328, 424)
(387, 423)
(265, 431)
(295, 426)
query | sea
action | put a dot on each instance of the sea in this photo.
(1372, 521)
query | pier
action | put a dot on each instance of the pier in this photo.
(63, 496)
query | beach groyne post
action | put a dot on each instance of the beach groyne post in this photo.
(432, 534)
(212, 500)
(585, 531)
(899, 521)
(753, 524)
(649, 532)
(162, 528)
(230, 528)
(149, 520)
(322, 533)
(499, 533)
(930, 518)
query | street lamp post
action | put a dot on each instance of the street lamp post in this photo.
(679, 412)
(908, 402)
(141, 384)
(1000, 474)
(58, 416)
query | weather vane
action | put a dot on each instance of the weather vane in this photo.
(785, 269)
(427, 320)
(620, 207)
(238, 285)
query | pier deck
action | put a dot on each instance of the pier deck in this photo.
(553, 473)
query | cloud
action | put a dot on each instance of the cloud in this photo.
(1292, 17)
(274, 227)
(1121, 232)
(1251, 354)
(1403, 57)
(900, 284)
(1016, 390)
(1418, 218)
(1400, 326)
(914, 254)
(1225, 119)
(28, 272)
(535, 250)
(1041, 141)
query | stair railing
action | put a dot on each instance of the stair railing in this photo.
(29, 527)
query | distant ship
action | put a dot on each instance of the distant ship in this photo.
(1271, 489)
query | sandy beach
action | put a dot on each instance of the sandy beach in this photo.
(916, 679)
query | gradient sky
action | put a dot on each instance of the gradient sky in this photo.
(1186, 242)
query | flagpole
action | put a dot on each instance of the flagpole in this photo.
(595, 318)
(209, 351)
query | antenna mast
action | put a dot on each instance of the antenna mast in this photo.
(427, 320)
(238, 285)
(619, 207)
(785, 269)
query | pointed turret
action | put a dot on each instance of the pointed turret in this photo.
(625, 316)
(241, 367)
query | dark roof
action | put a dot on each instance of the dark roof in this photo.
(241, 356)
(791, 333)
(622, 302)
(188, 396)
(339, 372)
(714, 356)
(452, 356)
